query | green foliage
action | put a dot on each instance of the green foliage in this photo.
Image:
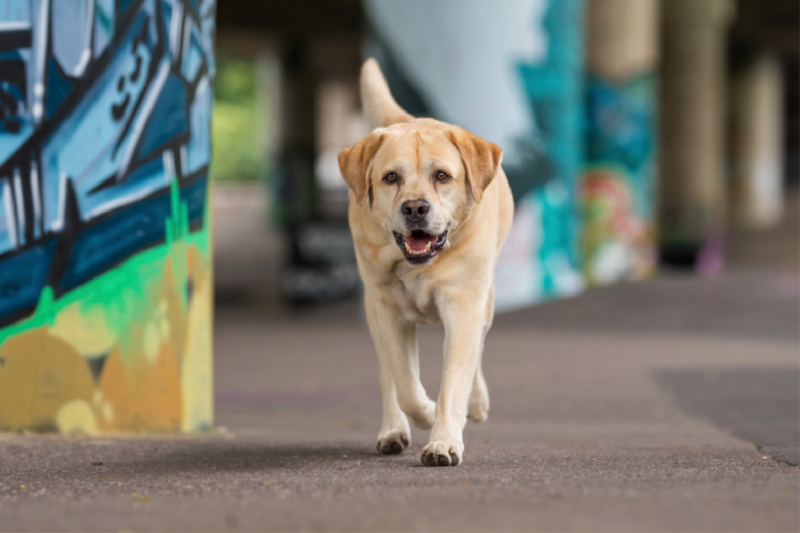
(237, 154)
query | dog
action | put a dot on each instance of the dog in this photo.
(430, 208)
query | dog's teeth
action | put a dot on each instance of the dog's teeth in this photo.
(412, 251)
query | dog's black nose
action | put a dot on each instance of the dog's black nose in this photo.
(415, 209)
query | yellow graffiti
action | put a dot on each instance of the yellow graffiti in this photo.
(129, 350)
(39, 373)
(76, 417)
(85, 329)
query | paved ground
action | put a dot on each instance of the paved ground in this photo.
(634, 408)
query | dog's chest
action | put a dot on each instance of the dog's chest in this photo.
(415, 296)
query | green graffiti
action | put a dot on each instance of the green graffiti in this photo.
(177, 228)
(122, 292)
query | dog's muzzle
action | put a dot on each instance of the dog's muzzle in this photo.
(420, 247)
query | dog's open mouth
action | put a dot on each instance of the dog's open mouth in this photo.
(419, 247)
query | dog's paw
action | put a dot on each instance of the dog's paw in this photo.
(422, 414)
(478, 410)
(442, 453)
(393, 442)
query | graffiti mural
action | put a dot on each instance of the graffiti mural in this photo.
(617, 197)
(545, 176)
(105, 263)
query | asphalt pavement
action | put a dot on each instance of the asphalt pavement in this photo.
(665, 405)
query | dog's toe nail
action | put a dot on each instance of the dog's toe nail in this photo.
(453, 459)
(444, 461)
(386, 448)
(396, 448)
(378, 446)
(405, 440)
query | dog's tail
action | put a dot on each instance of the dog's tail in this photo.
(379, 107)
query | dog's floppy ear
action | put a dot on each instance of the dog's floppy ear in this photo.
(355, 163)
(480, 157)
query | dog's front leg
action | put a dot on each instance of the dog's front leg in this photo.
(464, 323)
(401, 390)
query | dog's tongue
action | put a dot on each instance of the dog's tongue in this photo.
(419, 241)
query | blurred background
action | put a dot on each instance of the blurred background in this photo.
(637, 136)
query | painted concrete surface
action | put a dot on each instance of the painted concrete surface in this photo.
(106, 292)
(582, 433)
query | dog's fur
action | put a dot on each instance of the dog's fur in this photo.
(451, 282)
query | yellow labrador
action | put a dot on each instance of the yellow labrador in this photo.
(430, 208)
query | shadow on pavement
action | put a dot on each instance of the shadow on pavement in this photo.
(221, 457)
(758, 405)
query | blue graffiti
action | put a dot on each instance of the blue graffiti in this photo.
(103, 103)
(555, 92)
(620, 132)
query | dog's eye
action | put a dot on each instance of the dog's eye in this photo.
(442, 176)
(391, 177)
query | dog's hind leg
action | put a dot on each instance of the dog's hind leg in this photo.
(478, 410)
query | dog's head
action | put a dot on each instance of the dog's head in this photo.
(417, 178)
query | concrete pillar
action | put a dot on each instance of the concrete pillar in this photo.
(106, 282)
(622, 37)
(692, 186)
(618, 181)
(298, 129)
(757, 124)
